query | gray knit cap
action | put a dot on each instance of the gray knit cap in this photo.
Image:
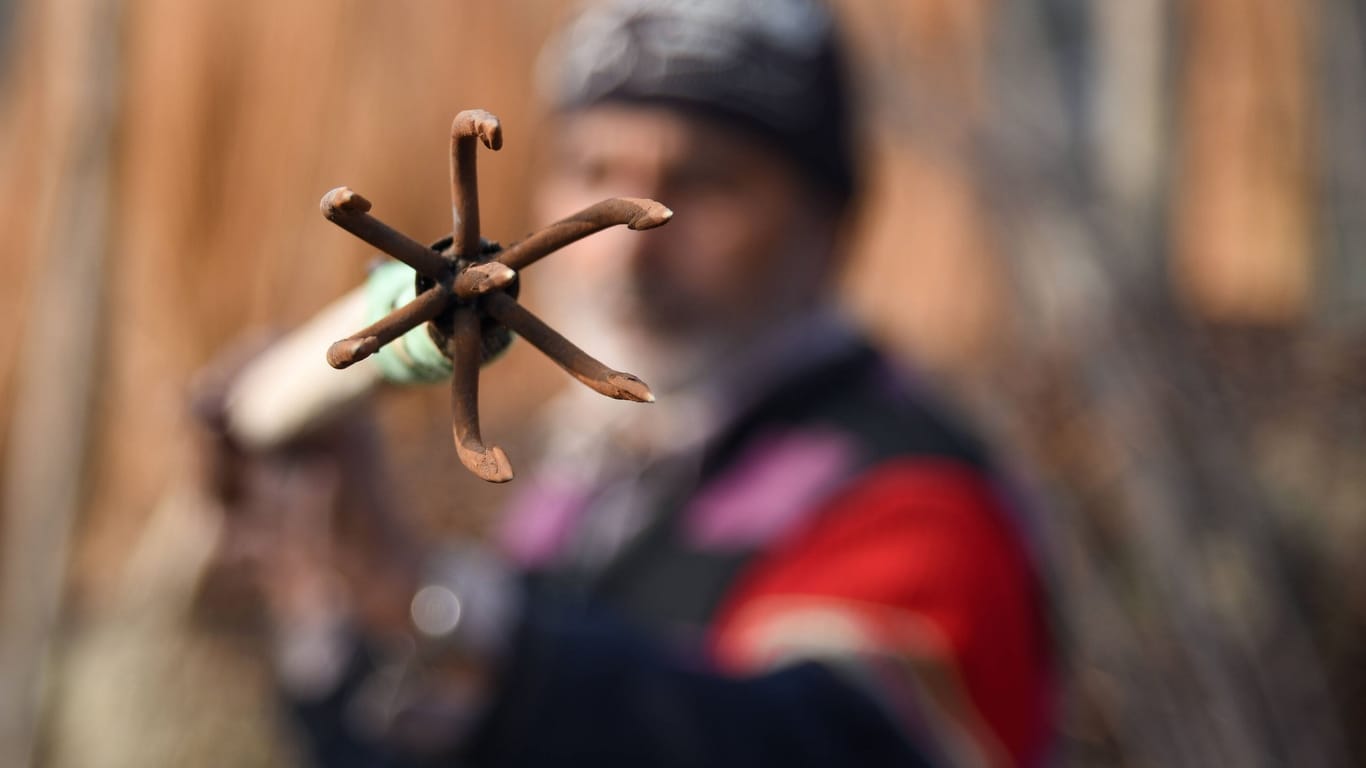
(773, 67)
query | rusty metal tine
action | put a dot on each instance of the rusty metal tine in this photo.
(489, 463)
(479, 279)
(367, 341)
(466, 127)
(636, 213)
(579, 364)
(348, 210)
(471, 284)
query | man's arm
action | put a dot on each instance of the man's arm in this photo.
(583, 688)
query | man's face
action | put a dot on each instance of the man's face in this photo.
(749, 243)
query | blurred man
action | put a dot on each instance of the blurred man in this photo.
(794, 558)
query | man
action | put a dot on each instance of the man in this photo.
(792, 558)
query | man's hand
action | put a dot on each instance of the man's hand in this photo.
(312, 535)
(310, 527)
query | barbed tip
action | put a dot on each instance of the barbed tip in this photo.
(343, 200)
(652, 214)
(348, 352)
(481, 123)
(626, 386)
(484, 278)
(491, 465)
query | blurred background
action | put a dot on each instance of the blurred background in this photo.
(1127, 235)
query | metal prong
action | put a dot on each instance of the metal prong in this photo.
(483, 278)
(367, 341)
(579, 364)
(348, 210)
(489, 463)
(636, 213)
(466, 127)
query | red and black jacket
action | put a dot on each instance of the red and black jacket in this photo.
(843, 522)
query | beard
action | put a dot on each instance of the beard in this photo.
(648, 330)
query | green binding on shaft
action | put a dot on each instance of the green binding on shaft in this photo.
(413, 358)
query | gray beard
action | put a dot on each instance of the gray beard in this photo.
(668, 364)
